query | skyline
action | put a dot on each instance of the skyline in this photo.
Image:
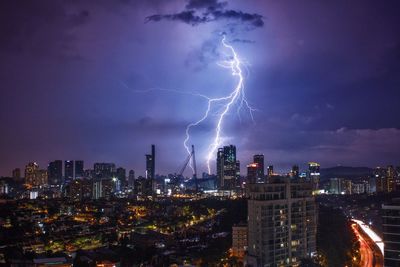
(323, 78)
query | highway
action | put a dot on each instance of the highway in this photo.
(370, 252)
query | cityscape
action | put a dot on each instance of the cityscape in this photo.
(199, 133)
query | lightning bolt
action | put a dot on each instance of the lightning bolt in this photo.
(237, 96)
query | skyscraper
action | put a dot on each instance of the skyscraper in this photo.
(150, 163)
(131, 179)
(259, 159)
(314, 174)
(68, 170)
(226, 167)
(281, 223)
(79, 172)
(121, 175)
(150, 170)
(270, 171)
(252, 169)
(55, 172)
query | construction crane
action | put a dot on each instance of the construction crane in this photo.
(192, 157)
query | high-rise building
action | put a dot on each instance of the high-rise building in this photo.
(104, 170)
(314, 174)
(16, 173)
(30, 173)
(121, 175)
(259, 159)
(281, 223)
(380, 179)
(150, 169)
(391, 233)
(150, 163)
(252, 169)
(54, 171)
(131, 179)
(390, 178)
(68, 170)
(34, 176)
(79, 172)
(239, 240)
(227, 167)
(336, 186)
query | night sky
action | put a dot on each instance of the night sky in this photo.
(89, 80)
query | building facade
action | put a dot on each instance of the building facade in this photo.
(282, 223)
(391, 233)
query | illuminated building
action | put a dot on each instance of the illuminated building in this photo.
(380, 179)
(252, 173)
(281, 223)
(55, 172)
(259, 159)
(102, 188)
(390, 176)
(30, 173)
(16, 173)
(80, 189)
(104, 170)
(314, 174)
(391, 233)
(239, 240)
(150, 168)
(68, 170)
(79, 172)
(34, 176)
(227, 167)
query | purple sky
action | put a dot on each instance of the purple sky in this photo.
(323, 75)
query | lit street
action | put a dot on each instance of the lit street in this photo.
(370, 253)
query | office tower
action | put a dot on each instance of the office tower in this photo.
(55, 172)
(68, 170)
(16, 173)
(80, 189)
(131, 179)
(104, 170)
(226, 167)
(121, 175)
(270, 171)
(259, 159)
(281, 223)
(79, 172)
(237, 173)
(314, 174)
(239, 240)
(391, 233)
(252, 169)
(150, 171)
(294, 173)
(30, 173)
(150, 163)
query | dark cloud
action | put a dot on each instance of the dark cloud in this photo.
(206, 4)
(202, 11)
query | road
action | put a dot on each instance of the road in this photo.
(371, 255)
